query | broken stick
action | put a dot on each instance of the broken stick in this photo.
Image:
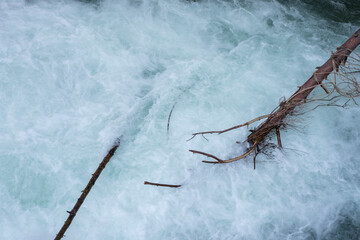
(161, 184)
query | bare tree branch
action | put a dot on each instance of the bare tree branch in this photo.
(276, 118)
(87, 189)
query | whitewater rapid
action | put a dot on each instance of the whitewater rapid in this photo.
(74, 76)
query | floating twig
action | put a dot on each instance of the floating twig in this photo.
(161, 185)
(168, 123)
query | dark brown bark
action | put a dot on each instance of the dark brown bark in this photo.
(87, 189)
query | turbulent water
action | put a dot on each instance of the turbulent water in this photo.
(75, 75)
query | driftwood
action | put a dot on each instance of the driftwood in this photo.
(87, 189)
(276, 120)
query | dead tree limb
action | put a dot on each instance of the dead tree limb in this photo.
(300, 96)
(87, 189)
(276, 119)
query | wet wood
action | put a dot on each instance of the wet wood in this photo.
(87, 189)
(161, 184)
(299, 97)
(275, 120)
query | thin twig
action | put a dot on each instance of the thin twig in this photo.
(325, 89)
(207, 154)
(168, 123)
(232, 128)
(226, 161)
(161, 185)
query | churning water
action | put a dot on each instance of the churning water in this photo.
(75, 75)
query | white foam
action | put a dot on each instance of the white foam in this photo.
(74, 77)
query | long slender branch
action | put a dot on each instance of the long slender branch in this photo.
(87, 189)
(232, 128)
(207, 154)
(226, 161)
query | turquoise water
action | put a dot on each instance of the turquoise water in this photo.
(76, 75)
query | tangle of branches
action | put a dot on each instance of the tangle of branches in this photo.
(338, 77)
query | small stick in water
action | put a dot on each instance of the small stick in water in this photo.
(161, 185)
(168, 124)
